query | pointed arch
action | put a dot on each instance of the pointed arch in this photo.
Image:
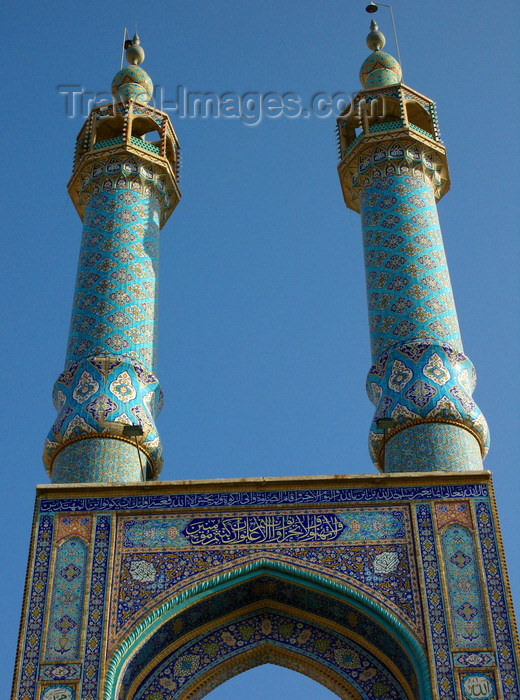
(269, 584)
(269, 654)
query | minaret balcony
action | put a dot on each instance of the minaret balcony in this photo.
(389, 131)
(130, 146)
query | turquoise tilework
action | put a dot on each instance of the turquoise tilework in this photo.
(110, 364)
(33, 632)
(64, 630)
(503, 624)
(432, 578)
(432, 446)
(467, 609)
(93, 390)
(425, 380)
(96, 610)
(153, 562)
(408, 285)
(419, 371)
(115, 302)
(97, 460)
(379, 70)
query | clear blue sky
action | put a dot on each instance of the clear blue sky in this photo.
(263, 333)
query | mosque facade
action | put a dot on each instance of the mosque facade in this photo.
(390, 585)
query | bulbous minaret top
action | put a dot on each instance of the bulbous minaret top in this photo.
(393, 169)
(132, 82)
(380, 69)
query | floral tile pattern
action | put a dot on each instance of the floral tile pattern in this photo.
(373, 552)
(110, 364)
(468, 616)
(363, 671)
(141, 560)
(419, 372)
(64, 629)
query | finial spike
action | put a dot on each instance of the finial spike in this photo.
(376, 39)
(135, 52)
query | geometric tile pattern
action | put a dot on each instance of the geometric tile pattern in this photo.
(110, 365)
(368, 676)
(419, 370)
(115, 301)
(416, 375)
(468, 617)
(262, 593)
(96, 610)
(426, 380)
(97, 460)
(102, 388)
(124, 188)
(392, 171)
(508, 661)
(408, 285)
(428, 446)
(39, 590)
(166, 545)
(436, 614)
(469, 659)
(53, 672)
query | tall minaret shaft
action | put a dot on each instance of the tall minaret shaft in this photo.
(393, 169)
(124, 187)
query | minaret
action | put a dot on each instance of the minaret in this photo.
(124, 187)
(393, 170)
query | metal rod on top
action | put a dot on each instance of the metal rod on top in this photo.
(126, 36)
(371, 8)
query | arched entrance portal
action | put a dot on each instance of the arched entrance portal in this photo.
(266, 614)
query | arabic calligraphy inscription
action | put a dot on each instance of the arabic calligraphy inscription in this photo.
(58, 692)
(253, 529)
(478, 686)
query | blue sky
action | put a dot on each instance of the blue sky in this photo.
(263, 333)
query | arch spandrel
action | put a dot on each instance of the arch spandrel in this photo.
(383, 570)
(308, 598)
